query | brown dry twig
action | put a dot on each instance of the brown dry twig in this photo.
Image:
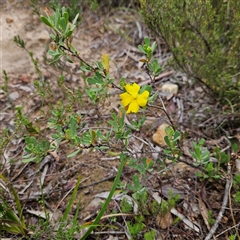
(231, 211)
(159, 77)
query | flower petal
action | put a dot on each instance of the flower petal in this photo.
(132, 89)
(126, 99)
(133, 107)
(142, 98)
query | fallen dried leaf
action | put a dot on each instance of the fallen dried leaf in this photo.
(164, 220)
(172, 106)
(24, 78)
(178, 214)
(204, 212)
(55, 155)
(181, 167)
(9, 20)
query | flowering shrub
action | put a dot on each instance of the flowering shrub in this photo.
(69, 127)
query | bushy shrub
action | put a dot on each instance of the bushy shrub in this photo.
(204, 37)
(118, 3)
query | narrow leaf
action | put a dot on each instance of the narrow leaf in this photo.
(71, 200)
(75, 19)
(27, 160)
(45, 21)
(73, 154)
(63, 23)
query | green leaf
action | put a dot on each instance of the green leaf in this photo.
(153, 97)
(56, 18)
(97, 79)
(75, 19)
(147, 88)
(140, 47)
(74, 49)
(100, 66)
(201, 141)
(45, 21)
(66, 16)
(11, 227)
(235, 147)
(68, 59)
(176, 136)
(56, 58)
(86, 69)
(73, 127)
(27, 160)
(92, 80)
(70, 203)
(52, 36)
(166, 139)
(53, 53)
(123, 82)
(73, 153)
(101, 148)
(63, 23)
(28, 155)
(154, 46)
(147, 41)
(136, 182)
(86, 139)
(69, 33)
(11, 222)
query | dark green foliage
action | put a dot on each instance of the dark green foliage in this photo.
(118, 3)
(72, 7)
(204, 38)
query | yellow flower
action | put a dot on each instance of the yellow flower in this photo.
(132, 100)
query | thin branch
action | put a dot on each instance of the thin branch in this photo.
(82, 60)
(224, 204)
(228, 229)
(159, 77)
(165, 111)
(195, 30)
